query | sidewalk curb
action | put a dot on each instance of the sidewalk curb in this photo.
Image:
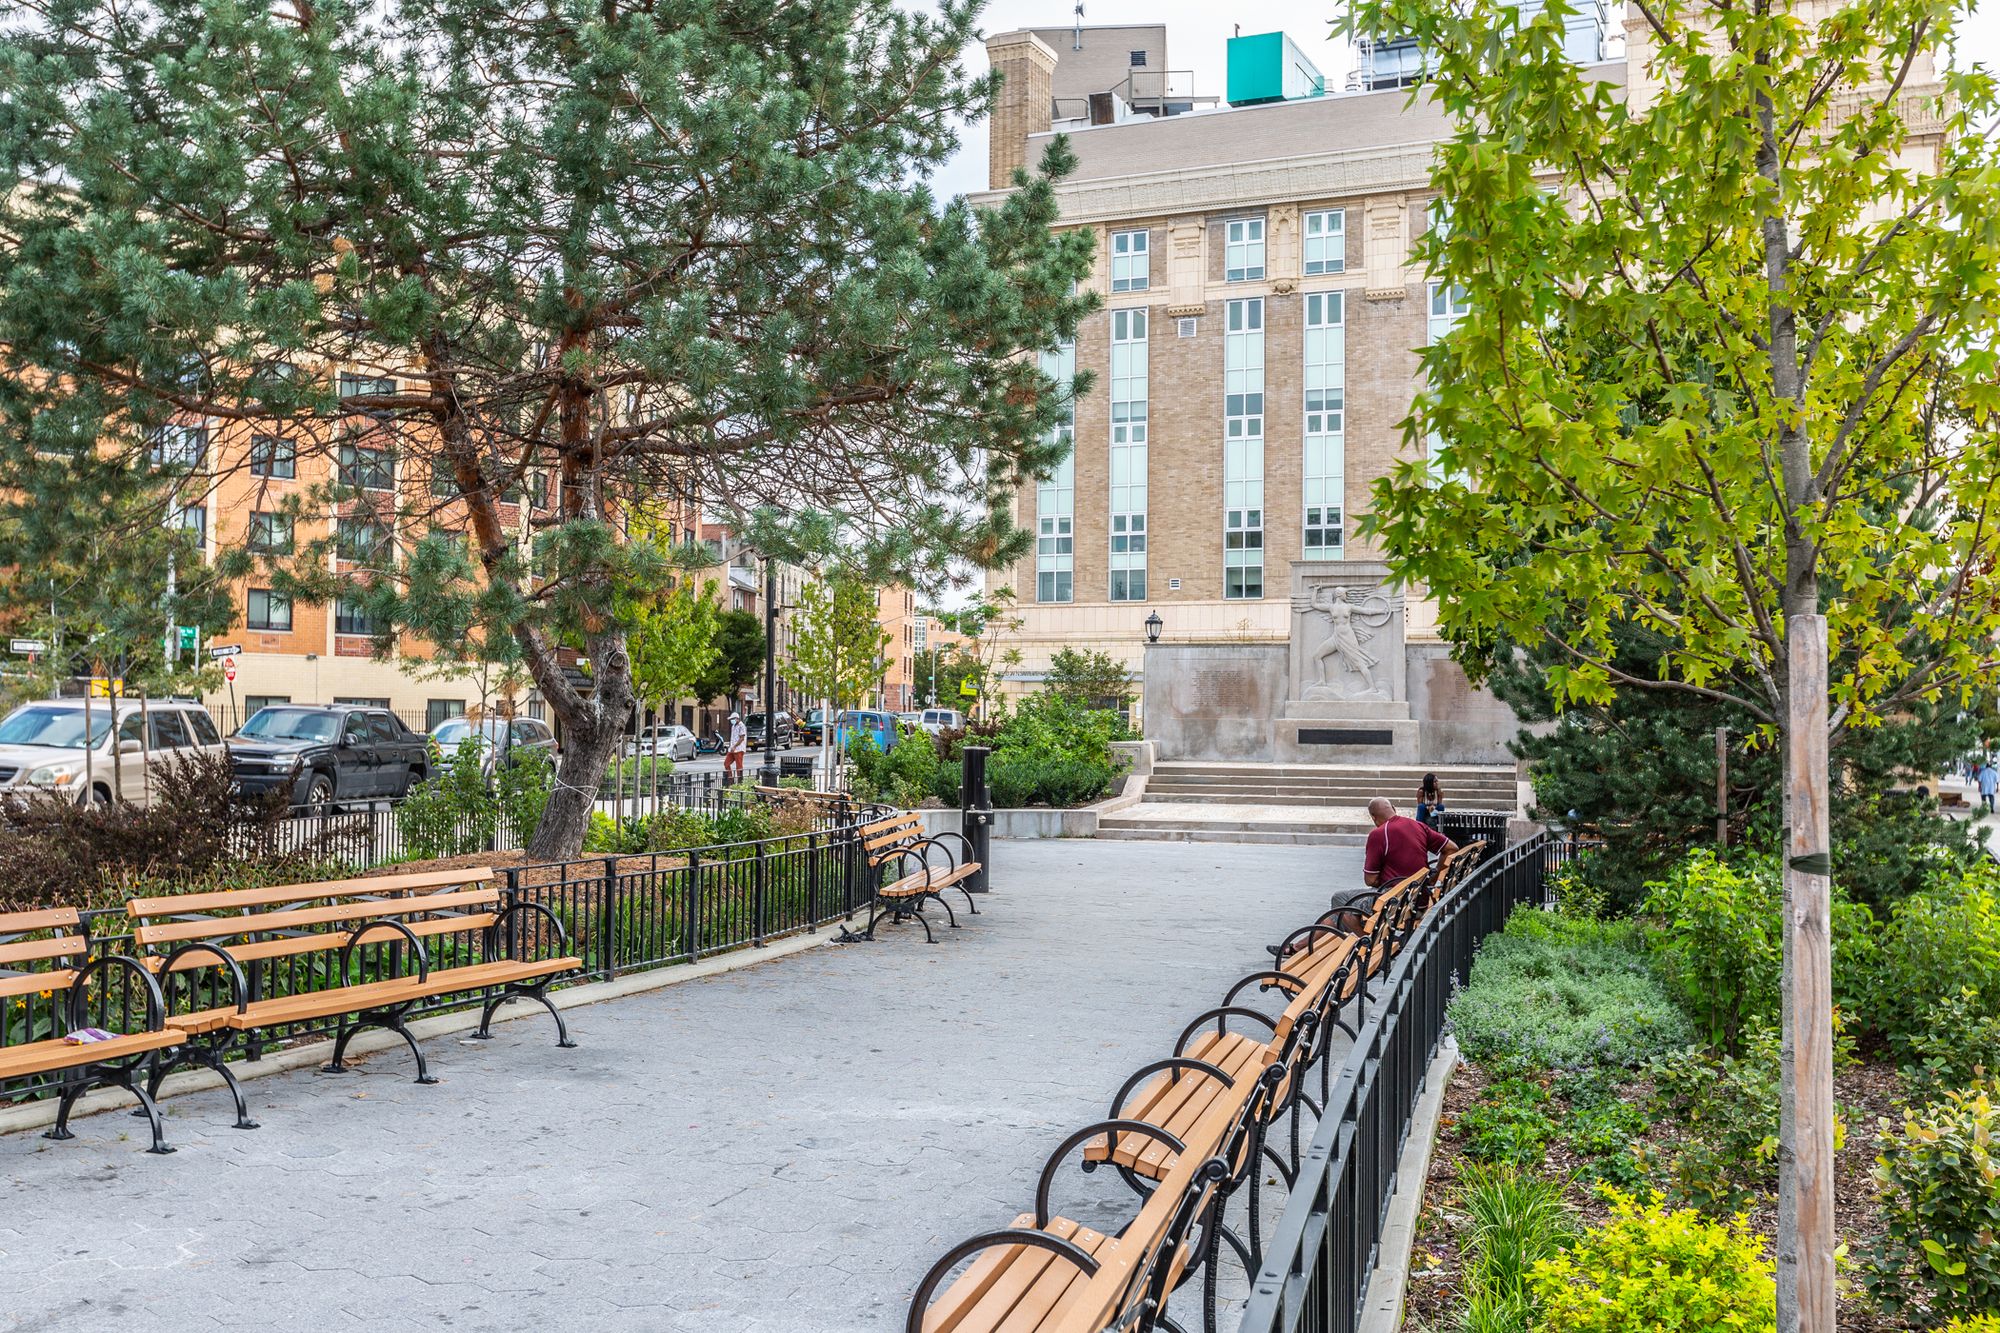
(41, 1114)
(1390, 1282)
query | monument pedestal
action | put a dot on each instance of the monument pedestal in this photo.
(1312, 732)
(1349, 697)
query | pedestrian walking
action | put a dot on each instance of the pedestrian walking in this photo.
(1989, 783)
(738, 746)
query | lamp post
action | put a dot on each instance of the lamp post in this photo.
(768, 774)
(1153, 627)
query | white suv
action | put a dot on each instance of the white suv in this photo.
(935, 720)
(43, 747)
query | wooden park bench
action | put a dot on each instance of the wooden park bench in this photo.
(1048, 1274)
(899, 857)
(119, 1061)
(198, 941)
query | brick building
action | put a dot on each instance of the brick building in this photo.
(1259, 336)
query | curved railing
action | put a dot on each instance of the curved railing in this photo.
(1316, 1266)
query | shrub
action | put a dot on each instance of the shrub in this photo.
(1959, 1042)
(1719, 938)
(452, 812)
(523, 786)
(1940, 1182)
(677, 828)
(1516, 1221)
(1510, 1123)
(1647, 1268)
(1723, 1110)
(604, 836)
(1935, 946)
(1978, 1323)
(1010, 778)
(1565, 994)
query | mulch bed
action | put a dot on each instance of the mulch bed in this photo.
(1865, 1095)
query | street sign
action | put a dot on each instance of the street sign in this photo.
(105, 687)
(229, 673)
(189, 637)
(967, 689)
(27, 646)
(225, 650)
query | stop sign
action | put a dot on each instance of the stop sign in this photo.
(229, 669)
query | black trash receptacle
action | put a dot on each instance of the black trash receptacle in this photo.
(795, 766)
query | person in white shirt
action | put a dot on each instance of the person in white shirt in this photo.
(739, 745)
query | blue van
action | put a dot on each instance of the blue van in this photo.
(879, 726)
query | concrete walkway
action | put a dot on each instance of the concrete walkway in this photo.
(783, 1148)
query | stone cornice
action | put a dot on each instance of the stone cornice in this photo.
(1178, 190)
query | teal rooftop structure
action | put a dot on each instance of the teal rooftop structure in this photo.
(1270, 67)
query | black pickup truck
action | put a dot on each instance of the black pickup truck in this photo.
(328, 755)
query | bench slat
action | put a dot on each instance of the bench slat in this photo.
(42, 1056)
(30, 951)
(292, 893)
(379, 994)
(33, 983)
(41, 918)
(221, 927)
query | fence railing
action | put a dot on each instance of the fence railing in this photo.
(1317, 1262)
(621, 914)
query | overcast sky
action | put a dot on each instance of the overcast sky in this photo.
(1197, 31)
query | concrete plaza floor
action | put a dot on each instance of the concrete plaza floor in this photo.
(785, 1147)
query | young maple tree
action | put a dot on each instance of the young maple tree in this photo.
(517, 269)
(1705, 307)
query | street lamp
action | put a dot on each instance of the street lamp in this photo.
(768, 774)
(1153, 627)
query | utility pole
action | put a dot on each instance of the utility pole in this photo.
(1722, 786)
(768, 774)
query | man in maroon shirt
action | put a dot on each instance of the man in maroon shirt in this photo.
(1399, 846)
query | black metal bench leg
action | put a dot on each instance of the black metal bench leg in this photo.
(949, 915)
(243, 1120)
(874, 915)
(152, 1108)
(72, 1090)
(918, 912)
(562, 1028)
(971, 906)
(486, 1012)
(401, 1029)
(345, 1034)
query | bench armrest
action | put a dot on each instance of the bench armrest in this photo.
(1266, 980)
(1314, 931)
(1221, 1016)
(238, 987)
(79, 988)
(1068, 1250)
(1176, 1063)
(903, 855)
(965, 843)
(1108, 1130)
(496, 938)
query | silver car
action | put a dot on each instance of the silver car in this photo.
(665, 741)
(498, 737)
(43, 746)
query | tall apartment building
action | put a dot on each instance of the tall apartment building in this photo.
(1258, 342)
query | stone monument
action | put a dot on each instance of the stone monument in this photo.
(1348, 674)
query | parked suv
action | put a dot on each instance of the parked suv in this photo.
(935, 720)
(754, 724)
(498, 738)
(328, 754)
(43, 746)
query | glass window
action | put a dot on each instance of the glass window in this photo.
(170, 731)
(1448, 306)
(268, 610)
(357, 386)
(437, 712)
(1131, 264)
(193, 519)
(1130, 378)
(355, 728)
(255, 703)
(1326, 242)
(362, 541)
(444, 482)
(1243, 250)
(1243, 370)
(1323, 481)
(350, 617)
(384, 727)
(353, 702)
(1055, 497)
(203, 728)
(1243, 519)
(180, 446)
(132, 727)
(366, 469)
(270, 534)
(273, 456)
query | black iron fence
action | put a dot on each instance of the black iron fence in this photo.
(1316, 1265)
(619, 914)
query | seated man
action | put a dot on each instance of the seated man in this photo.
(1397, 848)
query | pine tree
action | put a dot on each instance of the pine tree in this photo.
(631, 248)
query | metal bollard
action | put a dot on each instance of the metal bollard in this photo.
(977, 804)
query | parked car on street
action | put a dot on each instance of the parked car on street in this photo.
(328, 755)
(499, 739)
(813, 730)
(935, 720)
(664, 742)
(910, 719)
(782, 740)
(879, 726)
(43, 746)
